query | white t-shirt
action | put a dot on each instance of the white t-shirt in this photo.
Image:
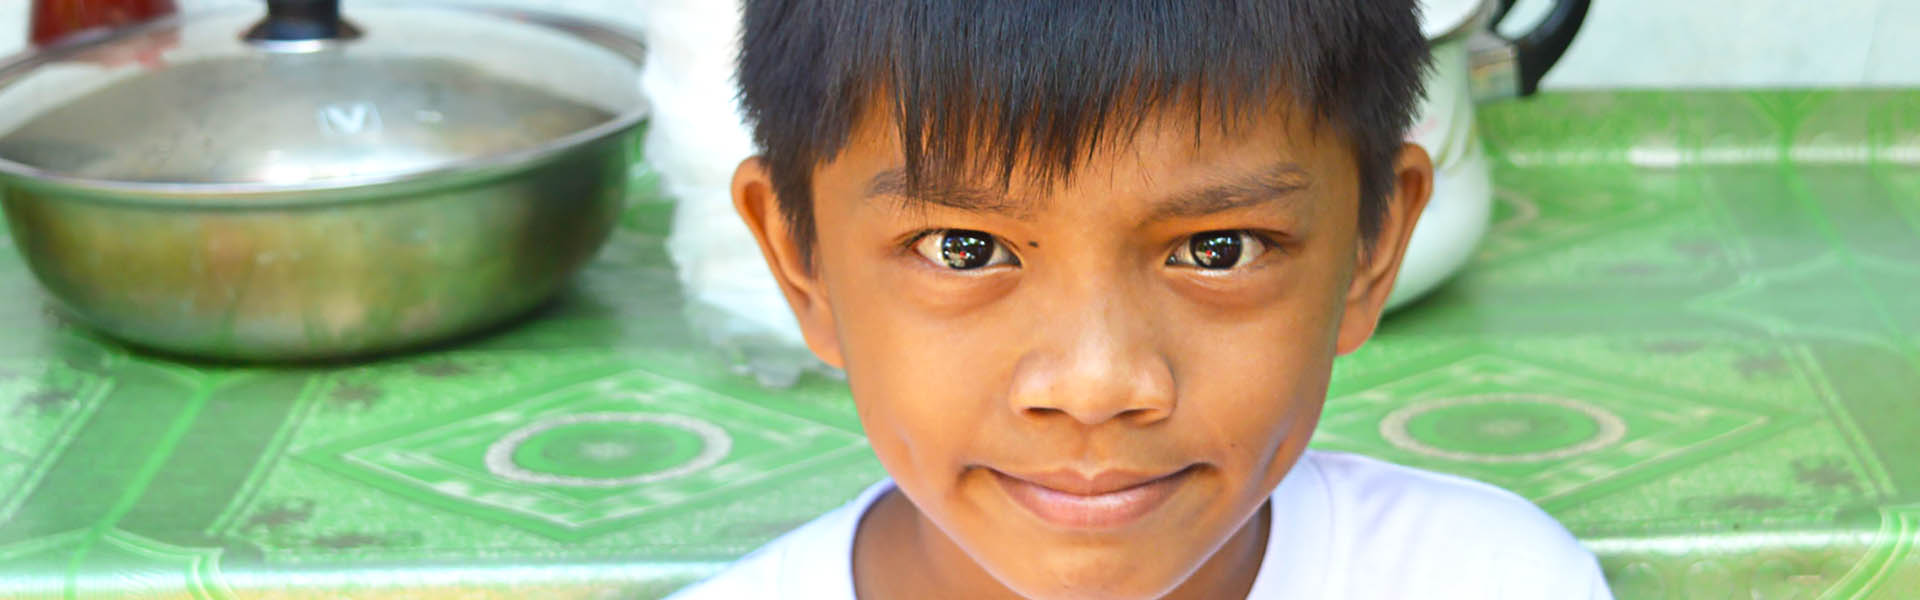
(1344, 526)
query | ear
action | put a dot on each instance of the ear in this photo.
(754, 198)
(1379, 262)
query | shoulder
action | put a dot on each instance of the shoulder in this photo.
(812, 561)
(1444, 532)
(1404, 499)
(756, 575)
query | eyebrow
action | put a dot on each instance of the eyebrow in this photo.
(893, 182)
(1279, 182)
(1275, 183)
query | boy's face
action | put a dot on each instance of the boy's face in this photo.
(1089, 388)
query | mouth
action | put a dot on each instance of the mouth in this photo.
(1105, 500)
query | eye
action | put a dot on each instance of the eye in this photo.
(963, 250)
(1219, 250)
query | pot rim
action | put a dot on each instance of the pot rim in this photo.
(333, 190)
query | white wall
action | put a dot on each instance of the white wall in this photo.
(1740, 43)
(1627, 43)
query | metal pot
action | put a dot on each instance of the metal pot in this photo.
(1471, 64)
(302, 187)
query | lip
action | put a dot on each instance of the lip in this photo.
(1105, 500)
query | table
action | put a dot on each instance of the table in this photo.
(1693, 335)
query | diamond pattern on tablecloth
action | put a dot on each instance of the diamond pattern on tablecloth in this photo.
(42, 403)
(588, 458)
(1548, 432)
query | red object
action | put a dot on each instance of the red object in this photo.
(55, 19)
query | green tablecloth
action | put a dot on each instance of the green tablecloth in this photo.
(1693, 336)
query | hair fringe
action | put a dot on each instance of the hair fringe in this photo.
(1037, 87)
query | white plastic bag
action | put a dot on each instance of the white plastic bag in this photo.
(696, 140)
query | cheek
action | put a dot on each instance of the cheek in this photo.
(1259, 379)
(925, 383)
(1258, 400)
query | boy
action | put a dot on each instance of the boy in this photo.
(1087, 265)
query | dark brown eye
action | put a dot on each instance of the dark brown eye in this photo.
(966, 249)
(1218, 250)
(963, 249)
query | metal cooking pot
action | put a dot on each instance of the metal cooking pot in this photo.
(1470, 63)
(300, 186)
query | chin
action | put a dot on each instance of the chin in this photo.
(1101, 590)
(1094, 577)
(1143, 560)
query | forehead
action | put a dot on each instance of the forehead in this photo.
(1170, 151)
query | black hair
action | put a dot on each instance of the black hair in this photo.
(979, 85)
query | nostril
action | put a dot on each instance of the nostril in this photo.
(1042, 411)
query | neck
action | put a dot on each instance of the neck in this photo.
(898, 553)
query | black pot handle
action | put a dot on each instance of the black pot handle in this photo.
(1538, 50)
(301, 20)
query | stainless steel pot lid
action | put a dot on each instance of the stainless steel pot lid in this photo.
(404, 91)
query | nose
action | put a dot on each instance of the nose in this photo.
(1100, 364)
